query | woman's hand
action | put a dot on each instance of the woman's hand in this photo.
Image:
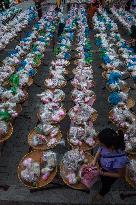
(93, 163)
(110, 174)
(101, 172)
(97, 156)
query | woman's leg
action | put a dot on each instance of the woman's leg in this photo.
(107, 182)
(39, 9)
(6, 4)
(1, 5)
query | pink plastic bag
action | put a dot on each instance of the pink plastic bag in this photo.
(89, 175)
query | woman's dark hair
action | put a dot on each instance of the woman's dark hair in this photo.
(110, 138)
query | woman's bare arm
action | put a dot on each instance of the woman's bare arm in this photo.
(120, 173)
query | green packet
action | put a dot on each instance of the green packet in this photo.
(5, 116)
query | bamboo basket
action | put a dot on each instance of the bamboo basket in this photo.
(52, 122)
(79, 185)
(36, 156)
(44, 146)
(84, 146)
(63, 85)
(92, 118)
(8, 134)
(128, 178)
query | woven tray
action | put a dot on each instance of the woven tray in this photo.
(78, 186)
(107, 68)
(132, 152)
(64, 65)
(76, 70)
(5, 83)
(130, 103)
(65, 72)
(76, 62)
(35, 155)
(52, 122)
(125, 89)
(43, 147)
(104, 75)
(30, 82)
(8, 134)
(93, 117)
(73, 99)
(18, 108)
(25, 97)
(62, 99)
(78, 86)
(110, 118)
(84, 146)
(63, 85)
(129, 180)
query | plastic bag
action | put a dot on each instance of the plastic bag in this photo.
(5, 116)
(89, 175)
(14, 80)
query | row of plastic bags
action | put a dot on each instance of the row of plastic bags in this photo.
(114, 70)
(124, 17)
(10, 30)
(47, 134)
(9, 14)
(76, 170)
(13, 92)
